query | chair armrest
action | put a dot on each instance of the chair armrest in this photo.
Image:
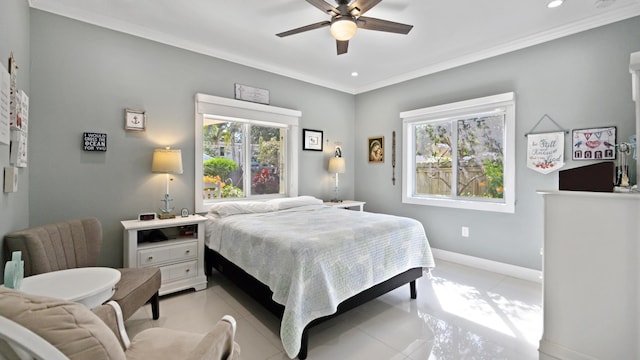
(111, 314)
(25, 344)
(218, 343)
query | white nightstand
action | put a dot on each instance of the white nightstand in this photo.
(346, 204)
(180, 256)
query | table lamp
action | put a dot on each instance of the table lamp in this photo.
(337, 166)
(167, 161)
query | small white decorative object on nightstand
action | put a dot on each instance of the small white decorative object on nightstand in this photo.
(175, 245)
(346, 204)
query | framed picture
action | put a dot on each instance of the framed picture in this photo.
(594, 143)
(376, 149)
(311, 140)
(135, 119)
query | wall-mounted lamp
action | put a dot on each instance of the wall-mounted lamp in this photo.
(337, 166)
(167, 161)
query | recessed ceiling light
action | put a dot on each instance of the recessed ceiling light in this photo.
(354, 74)
(554, 3)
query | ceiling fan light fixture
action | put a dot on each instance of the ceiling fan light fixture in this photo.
(343, 28)
(554, 3)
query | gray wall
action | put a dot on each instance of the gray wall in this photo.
(14, 37)
(580, 81)
(83, 77)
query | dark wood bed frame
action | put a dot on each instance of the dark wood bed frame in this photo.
(263, 294)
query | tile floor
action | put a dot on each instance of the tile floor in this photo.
(460, 313)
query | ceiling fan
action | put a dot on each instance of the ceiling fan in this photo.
(346, 18)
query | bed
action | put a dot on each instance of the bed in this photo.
(307, 262)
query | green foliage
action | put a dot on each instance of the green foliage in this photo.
(231, 191)
(269, 151)
(494, 174)
(220, 166)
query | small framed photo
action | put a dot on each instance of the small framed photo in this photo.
(184, 212)
(311, 140)
(594, 143)
(376, 149)
(135, 119)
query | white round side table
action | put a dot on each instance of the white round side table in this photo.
(91, 286)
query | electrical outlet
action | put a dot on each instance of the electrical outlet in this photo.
(465, 231)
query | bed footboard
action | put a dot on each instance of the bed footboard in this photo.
(261, 292)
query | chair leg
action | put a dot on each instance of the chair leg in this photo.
(155, 306)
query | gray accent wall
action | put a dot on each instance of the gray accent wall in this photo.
(14, 37)
(83, 78)
(580, 81)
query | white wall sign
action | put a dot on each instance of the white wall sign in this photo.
(253, 94)
(18, 148)
(545, 152)
(5, 135)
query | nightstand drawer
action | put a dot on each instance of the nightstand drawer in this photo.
(178, 271)
(170, 253)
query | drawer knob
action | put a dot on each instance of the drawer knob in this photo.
(150, 258)
(187, 270)
(188, 251)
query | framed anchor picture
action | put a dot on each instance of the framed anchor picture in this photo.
(135, 119)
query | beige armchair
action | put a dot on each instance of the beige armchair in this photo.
(77, 243)
(37, 327)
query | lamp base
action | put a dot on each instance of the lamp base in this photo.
(166, 215)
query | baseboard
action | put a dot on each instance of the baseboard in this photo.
(552, 351)
(489, 265)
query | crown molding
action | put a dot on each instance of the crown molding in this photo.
(605, 18)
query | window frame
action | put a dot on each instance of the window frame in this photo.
(456, 110)
(252, 113)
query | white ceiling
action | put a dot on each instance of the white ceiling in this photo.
(446, 33)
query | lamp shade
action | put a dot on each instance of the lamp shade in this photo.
(167, 161)
(343, 28)
(337, 165)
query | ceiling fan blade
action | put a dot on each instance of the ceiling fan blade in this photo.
(342, 46)
(363, 5)
(304, 28)
(383, 25)
(324, 6)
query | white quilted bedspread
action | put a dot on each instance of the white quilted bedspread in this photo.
(315, 257)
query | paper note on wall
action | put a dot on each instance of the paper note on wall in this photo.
(5, 135)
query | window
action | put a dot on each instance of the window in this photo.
(244, 150)
(461, 155)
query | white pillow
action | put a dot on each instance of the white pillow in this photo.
(292, 202)
(229, 208)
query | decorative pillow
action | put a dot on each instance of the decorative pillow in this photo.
(292, 202)
(240, 207)
(71, 327)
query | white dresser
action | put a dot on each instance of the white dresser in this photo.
(591, 278)
(176, 246)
